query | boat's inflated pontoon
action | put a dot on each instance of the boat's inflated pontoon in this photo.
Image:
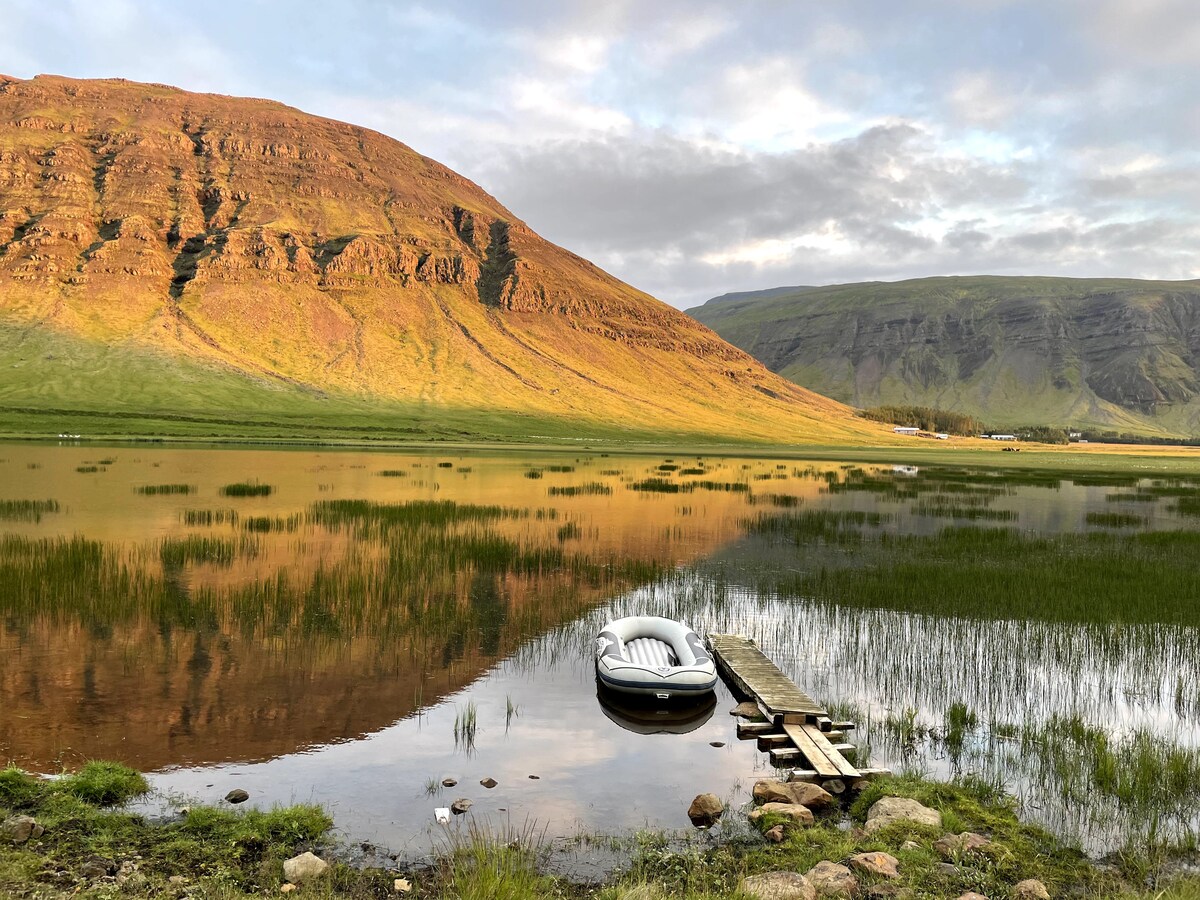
(655, 656)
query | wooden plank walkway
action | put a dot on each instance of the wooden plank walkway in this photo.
(756, 676)
(797, 727)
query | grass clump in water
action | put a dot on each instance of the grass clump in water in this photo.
(247, 489)
(197, 517)
(26, 510)
(151, 490)
(1115, 520)
(591, 489)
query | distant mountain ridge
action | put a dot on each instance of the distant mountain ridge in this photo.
(1121, 354)
(283, 256)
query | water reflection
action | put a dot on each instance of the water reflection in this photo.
(320, 642)
(646, 715)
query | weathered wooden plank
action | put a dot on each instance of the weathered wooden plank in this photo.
(782, 756)
(816, 756)
(749, 730)
(840, 762)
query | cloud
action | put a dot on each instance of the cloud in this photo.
(693, 147)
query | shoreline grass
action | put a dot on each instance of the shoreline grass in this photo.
(91, 850)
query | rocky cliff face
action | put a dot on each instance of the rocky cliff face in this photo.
(1105, 353)
(318, 253)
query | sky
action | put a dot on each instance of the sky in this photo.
(693, 148)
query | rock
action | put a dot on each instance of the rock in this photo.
(287, 887)
(705, 809)
(774, 834)
(910, 845)
(401, 886)
(877, 863)
(19, 829)
(950, 870)
(811, 795)
(489, 783)
(971, 895)
(778, 886)
(832, 880)
(449, 782)
(303, 867)
(460, 806)
(746, 710)
(1030, 889)
(98, 867)
(951, 846)
(835, 786)
(800, 815)
(237, 795)
(900, 809)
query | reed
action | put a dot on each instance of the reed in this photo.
(197, 517)
(591, 489)
(247, 489)
(164, 489)
(26, 510)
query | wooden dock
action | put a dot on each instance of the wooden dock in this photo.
(797, 729)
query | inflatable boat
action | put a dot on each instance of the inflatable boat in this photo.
(654, 656)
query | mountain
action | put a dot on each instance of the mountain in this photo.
(198, 264)
(1116, 354)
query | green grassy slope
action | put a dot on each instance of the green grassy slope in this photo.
(1108, 353)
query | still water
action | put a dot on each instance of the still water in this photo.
(351, 628)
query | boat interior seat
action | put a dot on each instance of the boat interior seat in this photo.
(651, 652)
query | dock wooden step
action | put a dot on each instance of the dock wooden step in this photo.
(822, 756)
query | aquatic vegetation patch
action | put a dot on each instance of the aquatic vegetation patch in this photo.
(247, 489)
(196, 517)
(1115, 520)
(974, 571)
(176, 552)
(591, 489)
(152, 490)
(26, 510)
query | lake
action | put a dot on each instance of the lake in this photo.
(352, 627)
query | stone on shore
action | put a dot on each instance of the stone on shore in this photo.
(799, 815)
(303, 867)
(877, 863)
(237, 795)
(832, 880)
(888, 810)
(953, 845)
(1030, 889)
(705, 809)
(19, 829)
(460, 806)
(769, 790)
(778, 886)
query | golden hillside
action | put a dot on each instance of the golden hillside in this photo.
(306, 253)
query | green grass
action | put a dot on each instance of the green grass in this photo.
(978, 572)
